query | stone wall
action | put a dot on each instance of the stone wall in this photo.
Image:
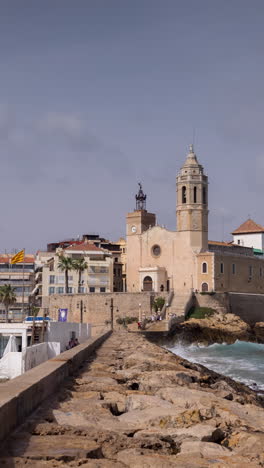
(217, 301)
(96, 307)
(249, 307)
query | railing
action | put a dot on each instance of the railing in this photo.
(167, 303)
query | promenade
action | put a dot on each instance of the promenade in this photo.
(133, 404)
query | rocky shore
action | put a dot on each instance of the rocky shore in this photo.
(218, 328)
(137, 405)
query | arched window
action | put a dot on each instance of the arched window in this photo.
(204, 287)
(204, 196)
(195, 195)
(204, 267)
(184, 194)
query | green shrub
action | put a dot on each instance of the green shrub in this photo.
(126, 320)
(200, 312)
(158, 303)
(211, 293)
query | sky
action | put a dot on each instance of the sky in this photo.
(97, 95)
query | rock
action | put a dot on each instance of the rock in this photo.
(59, 447)
(259, 331)
(140, 402)
(204, 449)
(136, 458)
(117, 399)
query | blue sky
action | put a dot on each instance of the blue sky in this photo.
(97, 95)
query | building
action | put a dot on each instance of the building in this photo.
(116, 249)
(250, 234)
(97, 277)
(21, 276)
(184, 260)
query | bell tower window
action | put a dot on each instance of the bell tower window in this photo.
(184, 194)
(204, 196)
(195, 195)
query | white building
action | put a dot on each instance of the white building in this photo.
(249, 234)
(25, 353)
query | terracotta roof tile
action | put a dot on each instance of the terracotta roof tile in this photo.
(4, 258)
(248, 227)
(84, 246)
(227, 244)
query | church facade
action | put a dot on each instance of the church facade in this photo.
(184, 260)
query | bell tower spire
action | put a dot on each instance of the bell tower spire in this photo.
(141, 198)
(192, 201)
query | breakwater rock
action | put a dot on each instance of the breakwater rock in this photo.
(218, 328)
(137, 405)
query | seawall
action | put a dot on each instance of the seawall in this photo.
(21, 396)
(96, 307)
(135, 404)
(249, 307)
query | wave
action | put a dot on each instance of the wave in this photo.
(243, 361)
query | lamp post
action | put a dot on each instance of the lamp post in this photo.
(111, 312)
(82, 309)
(139, 313)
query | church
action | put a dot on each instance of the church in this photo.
(184, 261)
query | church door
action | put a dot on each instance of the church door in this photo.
(204, 287)
(147, 283)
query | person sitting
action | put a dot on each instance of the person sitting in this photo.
(76, 342)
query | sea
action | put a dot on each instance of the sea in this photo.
(242, 361)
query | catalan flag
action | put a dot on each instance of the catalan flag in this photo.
(19, 257)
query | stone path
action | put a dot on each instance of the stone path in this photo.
(137, 405)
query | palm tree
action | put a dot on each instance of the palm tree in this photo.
(80, 265)
(7, 297)
(65, 264)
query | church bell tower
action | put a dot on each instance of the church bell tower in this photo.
(192, 202)
(140, 220)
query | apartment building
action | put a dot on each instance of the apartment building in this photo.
(117, 250)
(21, 276)
(96, 278)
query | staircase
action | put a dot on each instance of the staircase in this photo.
(173, 311)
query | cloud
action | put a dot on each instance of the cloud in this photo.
(34, 151)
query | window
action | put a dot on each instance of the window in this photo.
(250, 271)
(116, 259)
(233, 268)
(60, 279)
(195, 195)
(52, 279)
(221, 268)
(82, 290)
(70, 290)
(204, 196)
(204, 267)
(51, 290)
(238, 241)
(60, 290)
(102, 289)
(184, 194)
(156, 250)
(92, 290)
